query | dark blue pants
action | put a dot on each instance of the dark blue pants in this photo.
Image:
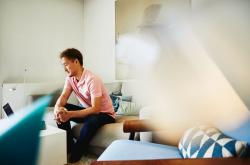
(91, 124)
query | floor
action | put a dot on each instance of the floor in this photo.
(85, 160)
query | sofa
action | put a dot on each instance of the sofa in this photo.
(106, 134)
(127, 150)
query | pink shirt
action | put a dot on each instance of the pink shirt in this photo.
(88, 87)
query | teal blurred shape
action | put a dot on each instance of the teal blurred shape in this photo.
(19, 134)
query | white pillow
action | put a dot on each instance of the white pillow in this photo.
(128, 108)
(113, 87)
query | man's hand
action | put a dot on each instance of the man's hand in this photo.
(58, 113)
(64, 115)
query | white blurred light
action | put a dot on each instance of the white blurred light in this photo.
(138, 49)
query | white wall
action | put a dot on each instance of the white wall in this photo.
(99, 37)
(131, 14)
(128, 16)
(33, 33)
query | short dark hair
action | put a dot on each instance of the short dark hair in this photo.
(72, 54)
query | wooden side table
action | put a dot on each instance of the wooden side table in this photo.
(204, 161)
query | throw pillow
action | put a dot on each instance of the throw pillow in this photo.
(115, 101)
(209, 142)
(127, 108)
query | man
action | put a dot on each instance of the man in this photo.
(97, 107)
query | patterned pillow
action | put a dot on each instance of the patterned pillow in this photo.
(209, 142)
(115, 101)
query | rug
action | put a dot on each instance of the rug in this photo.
(85, 160)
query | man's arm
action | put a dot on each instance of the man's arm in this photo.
(62, 100)
(94, 109)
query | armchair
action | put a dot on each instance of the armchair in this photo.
(133, 126)
(138, 152)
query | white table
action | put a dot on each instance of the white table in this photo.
(52, 149)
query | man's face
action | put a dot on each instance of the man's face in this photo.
(70, 66)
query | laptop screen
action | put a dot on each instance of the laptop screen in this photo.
(8, 110)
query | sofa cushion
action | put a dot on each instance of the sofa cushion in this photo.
(209, 142)
(113, 87)
(107, 133)
(128, 108)
(137, 150)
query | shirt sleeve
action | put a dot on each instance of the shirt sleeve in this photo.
(67, 85)
(95, 88)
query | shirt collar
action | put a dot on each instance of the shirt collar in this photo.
(82, 79)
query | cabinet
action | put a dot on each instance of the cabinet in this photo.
(18, 94)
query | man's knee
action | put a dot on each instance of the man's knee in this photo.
(68, 106)
(91, 124)
(92, 121)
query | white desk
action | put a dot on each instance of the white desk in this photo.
(52, 149)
